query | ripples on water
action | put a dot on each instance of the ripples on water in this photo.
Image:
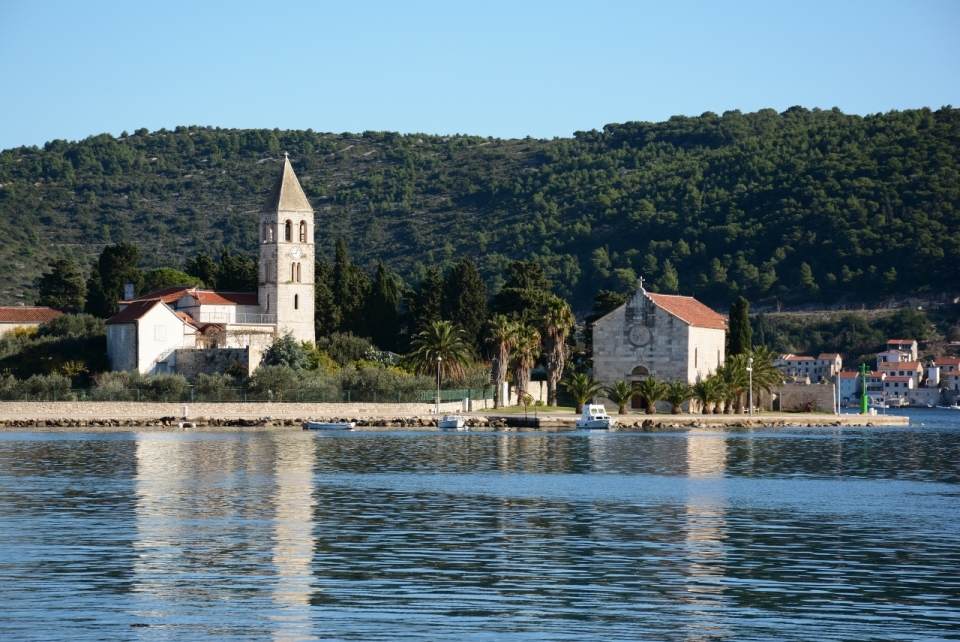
(798, 534)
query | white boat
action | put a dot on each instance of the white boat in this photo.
(186, 424)
(329, 425)
(955, 407)
(595, 417)
(452, 422)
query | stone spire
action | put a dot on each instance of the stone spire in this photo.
(287, 195)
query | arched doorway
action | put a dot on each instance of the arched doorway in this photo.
(638, 374)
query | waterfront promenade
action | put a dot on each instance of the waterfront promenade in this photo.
(370, 415)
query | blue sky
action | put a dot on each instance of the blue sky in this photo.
(509, 69)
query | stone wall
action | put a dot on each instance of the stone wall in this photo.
(820, 397)
(106, 409)
(191, 362)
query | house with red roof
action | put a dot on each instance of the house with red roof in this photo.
(12, 318)
(670, 337)
(151, 329)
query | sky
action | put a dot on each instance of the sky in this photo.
(506, 69)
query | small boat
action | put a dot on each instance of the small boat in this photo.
(186, 424)
(595, 417)
(329, 425)
(955, 407)
(452, 422)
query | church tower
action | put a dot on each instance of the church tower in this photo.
(285, 291)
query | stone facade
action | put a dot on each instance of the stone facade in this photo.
(191, 362)
(125, 409)
(668, 337)
(795, 398)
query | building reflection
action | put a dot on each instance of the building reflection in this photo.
(705, 529)
(293, 538)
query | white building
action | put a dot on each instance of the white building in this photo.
(148, 329)
(672, 338)
(909, 346)
(849, 384)
(912, 369)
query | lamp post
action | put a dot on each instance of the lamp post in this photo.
(438, 384)
(750, 372)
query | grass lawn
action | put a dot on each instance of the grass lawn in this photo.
(518, 410)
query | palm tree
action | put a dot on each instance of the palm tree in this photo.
(501, 338)
(557, 323)
(526, 350)
(446, 340)
(678, 392)
(620, 393)
(766, 376)
(704, 391)
(582, 387)
(652, 391)
(734, 375)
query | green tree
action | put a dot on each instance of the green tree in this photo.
(63, 287)
(620, 393)
(446, 341)
(163, 277)
(380, 311)
(678, 392)
(669, 281)
(350, 288)
(115, 267)
(464, 300)
(204, 268)
(557, 325)
(345, 347)
(807, 284)
(582, 387)
(525, 293)
(326, 315)
(740, 331)
(237, 273)
(286, 351)
(423, 305)
(526, 351)
(651, 391)
(501, 337)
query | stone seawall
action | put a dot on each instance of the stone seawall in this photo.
(18, 410)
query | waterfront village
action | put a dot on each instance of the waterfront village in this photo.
(192, 331)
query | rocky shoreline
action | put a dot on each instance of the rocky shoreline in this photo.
(639, 423)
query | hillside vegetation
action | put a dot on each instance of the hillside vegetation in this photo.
(804, 206)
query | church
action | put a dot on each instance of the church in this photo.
(185, 329)
(670, 337)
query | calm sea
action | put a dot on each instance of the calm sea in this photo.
(813, 534)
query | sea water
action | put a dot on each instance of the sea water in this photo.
(712, 534)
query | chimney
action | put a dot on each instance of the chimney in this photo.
(127, 291)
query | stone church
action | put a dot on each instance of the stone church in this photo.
(185, 329)
(665, 336)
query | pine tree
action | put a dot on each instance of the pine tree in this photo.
(741, 334)
(114, 269)
(204, 268)
(237, 273)
(63, 287)
(465, 300)
(423, 305)
(326, 312)
(526, 292)
(350, 288)
(380, 311)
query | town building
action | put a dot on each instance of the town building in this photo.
(912, 369)
(910, 346)
(151, 330)
(874, 390)
(670, 337)
(895, 389)
(849, 384)
(12, 318)
(947, 365)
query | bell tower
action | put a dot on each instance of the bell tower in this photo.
(285, 282)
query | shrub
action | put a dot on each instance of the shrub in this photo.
(73, 325)
(286, 351)
(215, 387)
(345, 347)
(270, 382)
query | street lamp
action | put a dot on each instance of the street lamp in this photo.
(438, 384)
(750, 372)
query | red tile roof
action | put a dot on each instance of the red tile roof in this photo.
(134, 311)
(848, 375)
(794, 357)
(28, 315)
(688, 309)
(892, 341)
(947, 361)
(828, 355)
(174, 293)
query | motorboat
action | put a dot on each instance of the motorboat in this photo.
(954, 407)
(186, 424)
(595, 417)
(452, 422)
(329, 425)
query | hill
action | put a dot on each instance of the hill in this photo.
(803, 206)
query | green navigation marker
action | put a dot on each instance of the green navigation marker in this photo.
(864, 400)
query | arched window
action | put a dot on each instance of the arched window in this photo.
(288, 231)
(272, 231)
(263, 237)
(695, 357)
(298, 273)
(268, 302)
(640, 371)
(718, 358)
(293, 272)
(296, 301)
(303, 231)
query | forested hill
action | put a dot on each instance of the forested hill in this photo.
(802, 205)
